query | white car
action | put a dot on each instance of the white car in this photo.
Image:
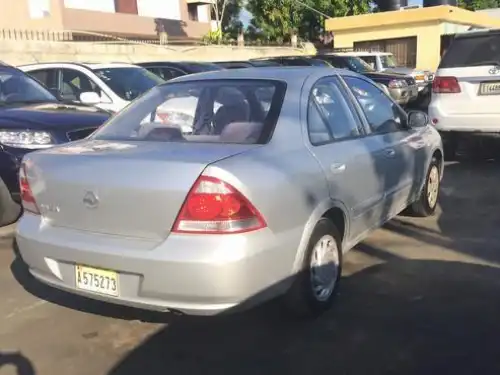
(109, 86)
(466, 90)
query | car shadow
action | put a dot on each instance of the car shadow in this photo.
(399, 317)
(468, 216)
(18, 362)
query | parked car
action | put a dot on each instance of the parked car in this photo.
(31, 118)
(385, 62)
(110, 86)
(258, 202)
(466, 91)
(294, 61)
(168, 70)
(401, 87)
(246, 64)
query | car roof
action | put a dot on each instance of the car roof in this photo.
(283, 73)
(361, 53)
(476, 32)
(84, 64)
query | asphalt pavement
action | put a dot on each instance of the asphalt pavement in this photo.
(420, 296)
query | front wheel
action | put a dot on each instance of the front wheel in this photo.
(9, 210)
(314, 288)
(427, 201)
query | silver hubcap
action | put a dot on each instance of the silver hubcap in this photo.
(433, 186)
(324, 267)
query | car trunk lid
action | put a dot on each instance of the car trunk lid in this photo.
(132, 189)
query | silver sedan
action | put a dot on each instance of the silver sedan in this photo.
(281, 171)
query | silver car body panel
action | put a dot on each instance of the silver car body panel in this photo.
(140, 187)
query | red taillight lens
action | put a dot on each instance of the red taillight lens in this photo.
(27, 198)
(213, 206)
(445, 85)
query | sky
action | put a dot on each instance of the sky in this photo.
(246, 16)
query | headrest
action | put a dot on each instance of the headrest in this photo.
(241, 132)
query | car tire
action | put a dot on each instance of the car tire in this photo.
(426, 204)
(305, 297)
(9, 210)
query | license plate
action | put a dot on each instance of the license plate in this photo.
(489, 88)
(97, 280)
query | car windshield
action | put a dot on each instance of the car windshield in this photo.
(205, 67)
(348, 62)
(357, 65)
(388, 61)
(216, 111)
(128, 82)
(473, 51)
(16, 87)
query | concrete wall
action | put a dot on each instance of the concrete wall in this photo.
(25, 52)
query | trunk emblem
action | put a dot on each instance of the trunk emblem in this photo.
(91, 200)
(494, 70)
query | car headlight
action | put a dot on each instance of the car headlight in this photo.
(26, 139)
(397, 84)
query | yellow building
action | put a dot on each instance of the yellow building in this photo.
(416, 37)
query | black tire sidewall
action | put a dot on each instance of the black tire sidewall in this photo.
(9, 210)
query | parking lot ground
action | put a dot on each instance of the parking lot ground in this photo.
(420, 296)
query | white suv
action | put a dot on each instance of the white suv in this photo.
(110, 86)
(466, 89)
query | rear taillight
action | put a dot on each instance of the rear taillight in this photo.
(445, 85)
(215, 207)
(27, 198)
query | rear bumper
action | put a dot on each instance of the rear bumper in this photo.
(191, 274)
(474, 123)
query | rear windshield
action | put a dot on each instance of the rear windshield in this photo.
(473, 51)
(216, 111)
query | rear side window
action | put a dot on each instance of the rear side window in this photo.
(472, 51)
(215, 111)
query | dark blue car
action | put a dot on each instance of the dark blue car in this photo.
(31, 118)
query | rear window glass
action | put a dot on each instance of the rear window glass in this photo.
(472, 51)
(216, 111)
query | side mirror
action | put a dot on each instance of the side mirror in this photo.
(417, 119)
(90, 97)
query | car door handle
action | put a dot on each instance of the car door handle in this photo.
(389, 153)
(337, 168)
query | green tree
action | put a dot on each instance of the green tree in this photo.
(277, 20)
(226, 15)
(478, 4)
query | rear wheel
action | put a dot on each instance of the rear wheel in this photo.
(314, 288)
(9, 210)
(427, 202)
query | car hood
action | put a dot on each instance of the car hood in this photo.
(405, 70)
(377, 76)
(51, 115)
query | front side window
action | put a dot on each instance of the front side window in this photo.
(370, 60)
(388, 61)
(382, 114)
(215, 111)
(128, 82)
(74, 83)
(17, 87)
(330, 115)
